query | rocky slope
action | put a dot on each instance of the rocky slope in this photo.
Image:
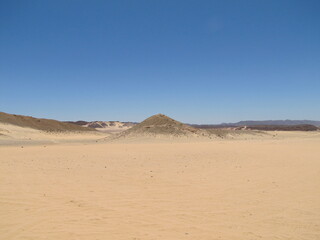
(161, 126)
(48, 125)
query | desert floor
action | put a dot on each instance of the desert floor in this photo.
(228, 189)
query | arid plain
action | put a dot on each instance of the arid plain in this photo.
(246, 186)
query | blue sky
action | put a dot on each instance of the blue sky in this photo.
(196, 61)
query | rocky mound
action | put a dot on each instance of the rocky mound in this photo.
(161, 125)
(40, 124)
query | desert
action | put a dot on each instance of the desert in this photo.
(159, 120)
(160, 180)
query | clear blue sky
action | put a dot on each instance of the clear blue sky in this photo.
(196, 61)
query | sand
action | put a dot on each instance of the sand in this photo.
(261, 188)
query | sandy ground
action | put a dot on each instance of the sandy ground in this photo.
(233, 189)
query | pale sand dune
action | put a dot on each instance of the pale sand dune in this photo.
(16, 135)
(232, 189)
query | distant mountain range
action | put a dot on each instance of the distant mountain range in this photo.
(268, 125)
(273, 122)
(117, 126)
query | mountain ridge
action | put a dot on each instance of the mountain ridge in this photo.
(42, 124)
(275, 122)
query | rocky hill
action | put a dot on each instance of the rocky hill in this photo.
(42, 124)
(161, 126)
